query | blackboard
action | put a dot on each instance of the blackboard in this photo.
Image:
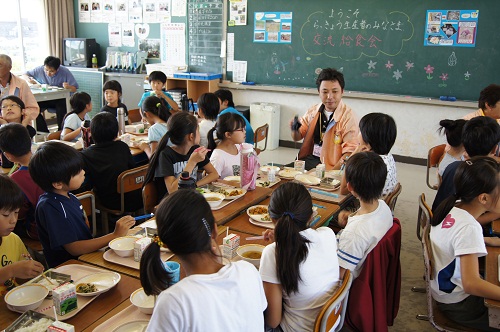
(205, 19)
(388, 59)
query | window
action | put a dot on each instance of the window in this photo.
(23, 33)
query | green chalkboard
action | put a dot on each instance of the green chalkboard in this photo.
(378, 44)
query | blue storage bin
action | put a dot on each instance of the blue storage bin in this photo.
(205, 76)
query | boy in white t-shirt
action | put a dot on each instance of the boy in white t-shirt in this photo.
(365, 174)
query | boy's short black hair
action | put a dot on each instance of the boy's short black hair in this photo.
(15, 99)
(366, 173)
(52, 62)
(158, 76)
(112, 85)
(480, 136)
(490, 95)
(54, 162)
(104, 127)
(330, 74)
(209, 104)
(12, 197)
(15, 139)
(379, 130)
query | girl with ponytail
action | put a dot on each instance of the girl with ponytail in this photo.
(453, 132)
(182, 154)
(156, 115)
(457, 242)
(300, 270)
(212, 297)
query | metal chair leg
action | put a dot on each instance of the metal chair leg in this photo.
(418, 289)
(422, 317)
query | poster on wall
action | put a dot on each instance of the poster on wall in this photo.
(164, 15)
(108, 14)
(237, 12)
(151, 46)
(456, 28)
(173, 43)
(84, 11)
(128, 34)
(135, 11)
(179, 8)
(149, 11)
(96, 12)
(114, 34)
(121, 11)
(273, 27)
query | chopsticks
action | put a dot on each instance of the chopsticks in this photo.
(29, 258)
(47, 278)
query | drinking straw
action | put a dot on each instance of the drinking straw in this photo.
(261, 237)
(55, 313)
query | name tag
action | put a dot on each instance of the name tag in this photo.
(317, 150)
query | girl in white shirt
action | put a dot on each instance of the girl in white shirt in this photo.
(300, 270)
(457, 242)
(208, 109)
(230, 130)
(81, 104)
(156, 114)
(212, 297)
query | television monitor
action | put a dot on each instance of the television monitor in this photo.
(77, 52)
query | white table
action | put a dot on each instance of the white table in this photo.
(52, 95)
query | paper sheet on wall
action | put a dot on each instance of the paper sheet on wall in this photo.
(237, 12)
(239, 71)
(135, 11)
(164, 15)
(121, 11)
(230, 51)
(84, 11)
(114, 34)
(128, 34)
(108, 14)
(173, 43)
(149, 11)
(179, 8)
(96, 11)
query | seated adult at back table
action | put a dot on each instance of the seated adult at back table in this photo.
(227, 106)
(105, 160)
(323, 121)
(53, 74)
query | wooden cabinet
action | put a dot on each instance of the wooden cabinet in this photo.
(194, 88)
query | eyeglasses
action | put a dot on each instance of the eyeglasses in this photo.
(4, 107)
(243, 130)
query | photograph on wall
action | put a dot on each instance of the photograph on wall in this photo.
(128, 34)
(237, 12)
(164, 15)
(96, 11)
(115, 34)
(121, 11)
(451, 28)
(135, 11)
(273, 27)
(108, 13)
(152, 46)
(84, 11)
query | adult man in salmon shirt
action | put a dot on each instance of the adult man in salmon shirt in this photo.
(324, 121)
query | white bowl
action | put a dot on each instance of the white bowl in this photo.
(123, 246)
(215, 199)
(267, 168)
(26, 297)
(248, 248)
(142, 301)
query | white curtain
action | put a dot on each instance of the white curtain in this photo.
(60, 18)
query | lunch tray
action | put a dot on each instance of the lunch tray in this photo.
(327, 198)
(76, 271)
(129, 314)
(112, 257)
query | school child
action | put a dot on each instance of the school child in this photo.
(457, 242)
(15, 257)
(230, 131)
(453, 131)
(158, 80)
(365, 173)
(112, 94)
(62, 224)
(299, 273)
(212, 297)
(377, 133)
(81, 104)
(184, 154)
(208, 109)
(15, 142)
(105, 160)
(156, 115)
(227, 106)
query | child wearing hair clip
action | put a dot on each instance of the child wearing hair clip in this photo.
(212, 296)
(156, 115)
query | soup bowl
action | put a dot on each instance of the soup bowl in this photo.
(251, 253)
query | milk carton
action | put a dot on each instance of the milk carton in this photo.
(230, 245)
(64, 298)
(139, 247)
(59, 326)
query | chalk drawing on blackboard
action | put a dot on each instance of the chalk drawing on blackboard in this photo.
(467, 75)
(398, 74)
(350, 38)
(371, 65)
(429, 70)
(409, 65)
(444, 78)
(452, 60)
(389, 65)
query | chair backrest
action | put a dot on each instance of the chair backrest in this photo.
(332, 314)
(149, 197)
(134, 115)
(433, 158)
(260, 135)
(392, 198)
(424, 215)
(87, 199)
(54, 135)
(130, 180)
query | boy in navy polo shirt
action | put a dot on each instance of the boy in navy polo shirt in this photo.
(62, 225)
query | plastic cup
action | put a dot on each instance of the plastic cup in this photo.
(44, 87)
(174, 269)
(299, 165)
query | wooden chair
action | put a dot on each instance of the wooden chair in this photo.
(437, 319)
(433, 158)
(127, 181)
(149, 198)
(261, 135)
(134, 115)
(54, 135)
(392, 198)
(423, 219)
(332, 314)
(87, 199)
